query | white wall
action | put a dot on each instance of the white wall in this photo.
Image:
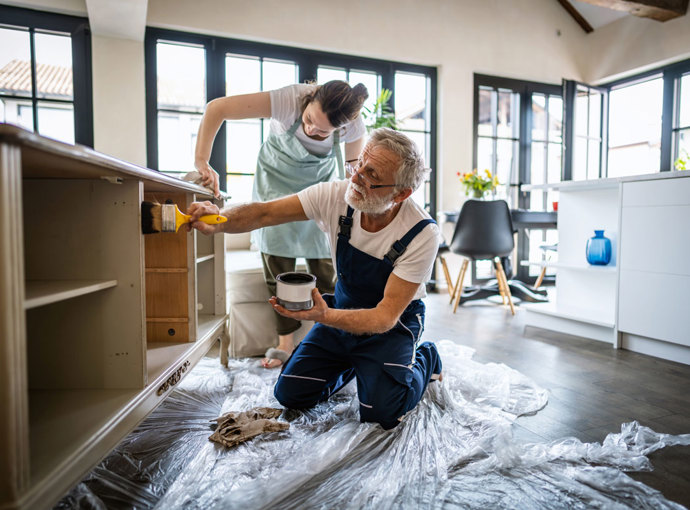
(119, 103)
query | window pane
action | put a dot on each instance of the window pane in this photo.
(422, 142)
(507, 114)
(684, 118)
(411, 101)
(176, 139)
(506, 161)
(684, 148)
(17, 112)
(538, 117)
(538, 157)
(554, 162)
(595, 114)
(487, 98)
(324, 74)
(580, 159)
(278, 74)
(581, 110)
(593, 153)
(635, 128)
(56, 121)
(240, 188)
(244, 142)
(485, 154)
(242, 75)
(15, 70)
(54, 66)
(181, 76)
(371, 81)
(555, 118)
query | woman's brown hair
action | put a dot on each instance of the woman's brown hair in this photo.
(340, 102)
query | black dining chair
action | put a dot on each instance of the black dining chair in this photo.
(484, 231)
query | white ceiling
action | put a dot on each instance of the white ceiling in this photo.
(597, 16)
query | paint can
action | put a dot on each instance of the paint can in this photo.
(293, 290)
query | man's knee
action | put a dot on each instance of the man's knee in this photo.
(294, 395)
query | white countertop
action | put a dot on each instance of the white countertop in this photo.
(612, 182)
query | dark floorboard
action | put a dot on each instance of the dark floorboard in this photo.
(593, 388)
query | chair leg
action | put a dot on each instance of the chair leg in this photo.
(446, 273)
(540, 278)
(502, 275)
(499, 281)
(458, 285)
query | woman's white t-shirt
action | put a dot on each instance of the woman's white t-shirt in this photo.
(325, 203)
(286, 108)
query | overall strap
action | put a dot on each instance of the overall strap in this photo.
(400, 245)
(345, 223)
(297, 123)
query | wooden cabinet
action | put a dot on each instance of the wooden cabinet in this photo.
(97, 321)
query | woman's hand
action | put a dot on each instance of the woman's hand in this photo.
(209, 177)
(316, 313)
(198, 209)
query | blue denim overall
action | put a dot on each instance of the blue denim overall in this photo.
(392, 371)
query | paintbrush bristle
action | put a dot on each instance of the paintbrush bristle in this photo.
(151, 222)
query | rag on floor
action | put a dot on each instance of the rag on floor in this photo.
(236, 427)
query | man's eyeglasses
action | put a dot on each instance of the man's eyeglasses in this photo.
(351, 169)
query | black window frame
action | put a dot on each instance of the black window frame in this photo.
(307, 62)
(82, 82)
(525, 89)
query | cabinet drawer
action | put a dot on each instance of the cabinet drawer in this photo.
(660, 192)
(654, 305)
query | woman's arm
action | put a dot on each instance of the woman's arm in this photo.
(246, 106)
(353, 150)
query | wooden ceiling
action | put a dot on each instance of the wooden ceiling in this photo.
(659, 10)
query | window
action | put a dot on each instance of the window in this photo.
(45, 77)
(681, 124)
(518, 137)
(184, 71)
(587, 152)
(635, 128)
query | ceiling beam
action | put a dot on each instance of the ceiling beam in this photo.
(576, 16)
(659, 10)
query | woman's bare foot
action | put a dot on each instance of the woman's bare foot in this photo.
(285, 344)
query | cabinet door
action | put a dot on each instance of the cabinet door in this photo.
(655, 274)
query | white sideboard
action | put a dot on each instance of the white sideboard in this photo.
(639, 300)
(97, 321)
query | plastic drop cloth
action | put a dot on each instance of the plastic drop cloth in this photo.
(454, 450)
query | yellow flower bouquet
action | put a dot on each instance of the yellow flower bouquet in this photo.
(476, 184)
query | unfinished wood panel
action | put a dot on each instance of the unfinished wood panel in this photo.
(167, 249)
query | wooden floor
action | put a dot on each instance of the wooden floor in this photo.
(592, 387)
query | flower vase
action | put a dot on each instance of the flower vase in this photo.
(477, 194)
(598, 249)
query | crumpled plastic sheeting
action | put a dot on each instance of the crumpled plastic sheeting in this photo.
(454, 450)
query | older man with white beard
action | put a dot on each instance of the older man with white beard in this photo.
(383, 246)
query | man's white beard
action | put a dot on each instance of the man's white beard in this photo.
(367, 204)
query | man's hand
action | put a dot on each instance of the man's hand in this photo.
(209, 177)
(199, 209)
(316, 313)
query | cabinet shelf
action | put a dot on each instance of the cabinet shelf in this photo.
(594, 317)
(576, 267)
(45, 292)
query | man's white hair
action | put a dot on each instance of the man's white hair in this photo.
(411, 172)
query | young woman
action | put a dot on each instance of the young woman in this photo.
(303, 148)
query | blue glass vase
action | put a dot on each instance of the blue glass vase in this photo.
(598, 249)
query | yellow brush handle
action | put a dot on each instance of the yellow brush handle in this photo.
(213, 219)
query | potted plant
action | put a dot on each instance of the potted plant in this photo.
(478, 184)
(380, 113)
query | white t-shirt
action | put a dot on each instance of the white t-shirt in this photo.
(325, 203)
(286, 107)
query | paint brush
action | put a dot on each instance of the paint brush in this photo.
(157, 217)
